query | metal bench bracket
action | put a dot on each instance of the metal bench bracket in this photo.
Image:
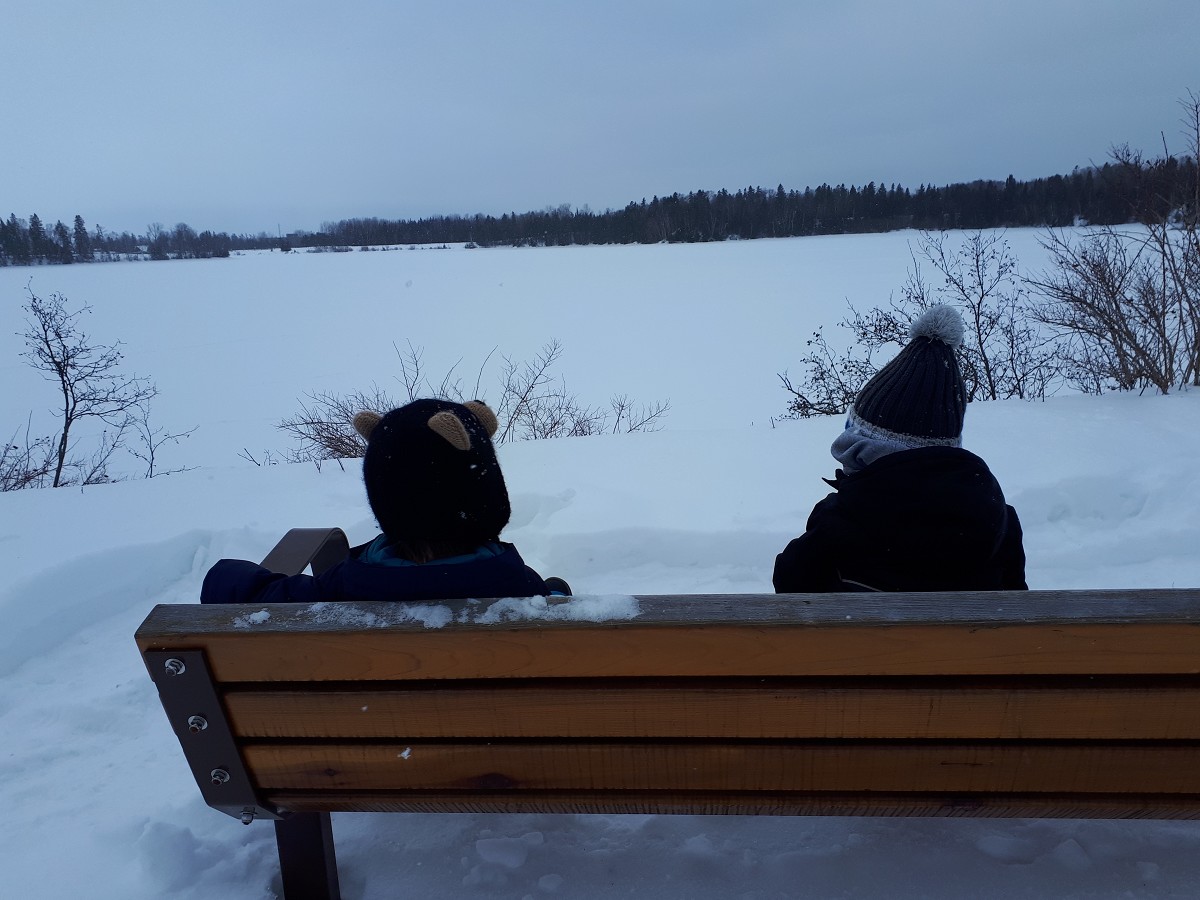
(185, 687)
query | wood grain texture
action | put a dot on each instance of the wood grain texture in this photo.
(634, 650)
(1007, 632)
(739, 767)
(947, 708)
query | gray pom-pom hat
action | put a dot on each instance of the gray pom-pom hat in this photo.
(916, 400)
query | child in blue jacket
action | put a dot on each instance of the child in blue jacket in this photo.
(436, 489)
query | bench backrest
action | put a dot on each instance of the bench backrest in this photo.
(1014, 703)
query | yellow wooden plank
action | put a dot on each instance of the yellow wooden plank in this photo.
(615, 709)
(726, 650)
(825, 766)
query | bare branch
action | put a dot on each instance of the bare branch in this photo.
(88, 381)
(151, 439)
(629, 417)
(268, 458)
(25, 462)
(324, 426)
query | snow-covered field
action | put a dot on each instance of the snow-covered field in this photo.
(232, 344)
(98, 801)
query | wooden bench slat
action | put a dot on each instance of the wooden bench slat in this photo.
(1048, 805)
(983, 608)
(614, 709)
(632, 650)
(825, 766)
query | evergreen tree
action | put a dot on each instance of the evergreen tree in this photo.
(18, 241)
(63, 251)
(37, 238)
(83, 244)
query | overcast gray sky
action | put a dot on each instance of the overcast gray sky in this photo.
(245, 115)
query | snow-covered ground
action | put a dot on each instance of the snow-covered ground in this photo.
(98, 801)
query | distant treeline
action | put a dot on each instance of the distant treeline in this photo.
(1108, 195)
(1129, 190)
(29, 242)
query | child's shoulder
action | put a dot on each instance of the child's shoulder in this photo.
(933, 460)
(493, 569)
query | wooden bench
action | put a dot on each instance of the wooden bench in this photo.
(1041, 703)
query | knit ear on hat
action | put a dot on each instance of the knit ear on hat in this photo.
(365, 422)
(483, 413)
(446, 424)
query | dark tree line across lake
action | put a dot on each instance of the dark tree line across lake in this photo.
(1128, 190)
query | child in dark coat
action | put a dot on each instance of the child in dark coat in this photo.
(435, 486)
(911, 510)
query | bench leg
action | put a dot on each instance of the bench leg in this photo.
(306, 857)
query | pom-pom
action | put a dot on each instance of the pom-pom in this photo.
(940, 323)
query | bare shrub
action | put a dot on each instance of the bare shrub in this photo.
(90, 386)
(1127, 300)
(830, 381)
(268, 458)
(151, 439)
(1124, 317)
(417, 384)
(534, 404)
(1003, 353)
(324, 427)
(629, 416)
(25, 461)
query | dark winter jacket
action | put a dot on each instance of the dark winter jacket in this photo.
(495, 570)
(929, 519)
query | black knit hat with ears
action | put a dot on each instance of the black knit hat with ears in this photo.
(918, 399)
(431, 472)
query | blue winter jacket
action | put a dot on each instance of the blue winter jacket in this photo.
(371, 573)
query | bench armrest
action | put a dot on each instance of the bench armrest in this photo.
(301, 547)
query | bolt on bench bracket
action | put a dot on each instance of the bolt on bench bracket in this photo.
(185, 687)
